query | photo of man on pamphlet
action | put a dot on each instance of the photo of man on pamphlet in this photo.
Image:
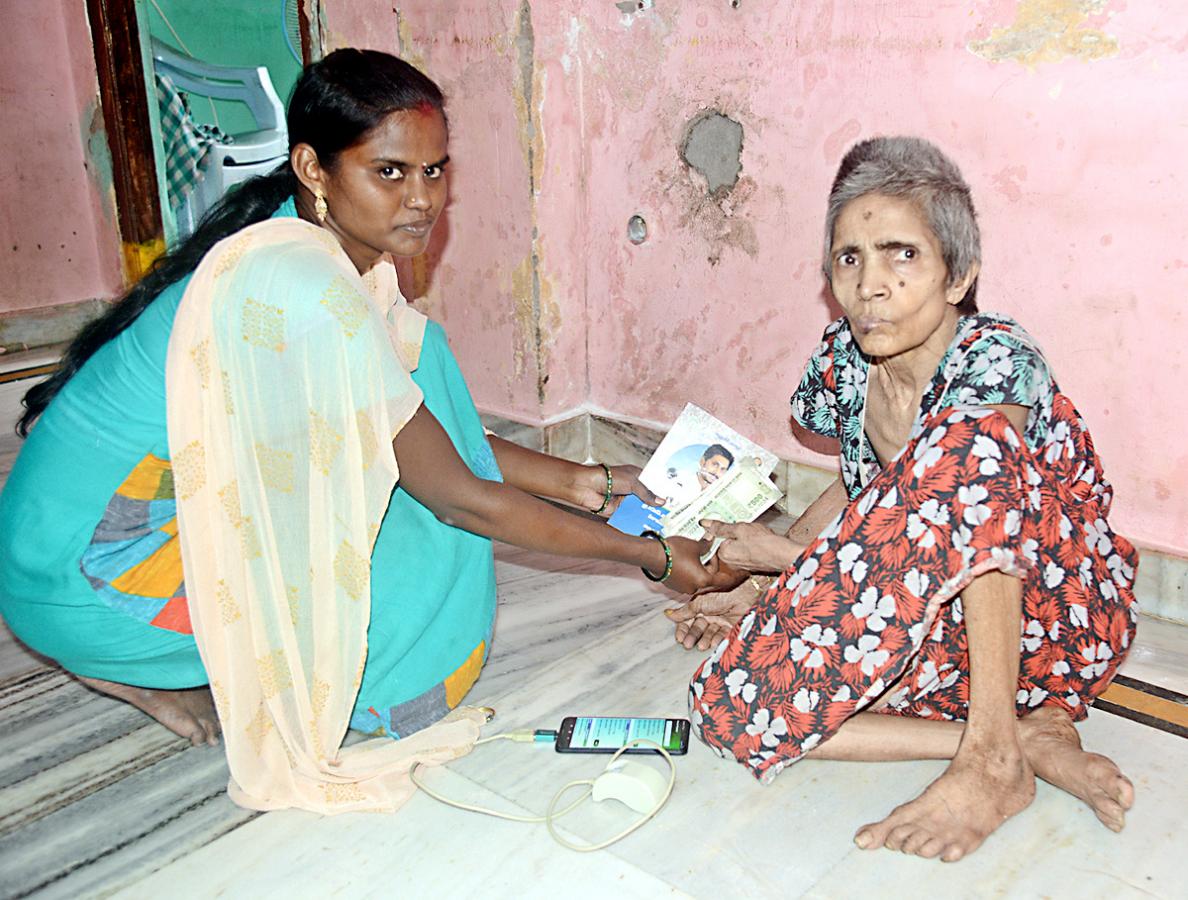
(705, 470)
(692, 469)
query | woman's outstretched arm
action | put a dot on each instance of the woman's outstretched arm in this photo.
(559, 479)
(432, 471)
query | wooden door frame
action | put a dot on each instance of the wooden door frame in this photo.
(123, 95)
(115, 34)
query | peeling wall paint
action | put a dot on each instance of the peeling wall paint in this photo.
(528, 289)
(1046, 31)
(97, 155)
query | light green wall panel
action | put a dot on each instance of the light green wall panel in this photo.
(229, 32)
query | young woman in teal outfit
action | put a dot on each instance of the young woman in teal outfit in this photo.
(90, 561)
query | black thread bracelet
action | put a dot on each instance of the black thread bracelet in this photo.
(667, 557)
(610, 486)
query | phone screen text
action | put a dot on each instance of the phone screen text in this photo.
(598, 733)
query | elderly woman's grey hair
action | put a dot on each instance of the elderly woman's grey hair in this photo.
(917, 170)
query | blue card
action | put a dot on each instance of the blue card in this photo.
(635, 517)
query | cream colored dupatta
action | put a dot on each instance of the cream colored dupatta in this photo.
(286, 380)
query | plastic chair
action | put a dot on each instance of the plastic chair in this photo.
(252, 152)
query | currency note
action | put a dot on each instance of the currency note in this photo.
(742, 495)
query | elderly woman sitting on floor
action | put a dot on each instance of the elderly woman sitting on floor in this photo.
(971, 512)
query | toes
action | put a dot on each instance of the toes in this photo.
(872, 836)
(1111, 815)
(899, 837)
(1125, 792)
(865, 840)
(931, 848)
(1113, 799)
(915, 841)
(961, 846)
(1114, 825)
(211, 729)
(952, 853)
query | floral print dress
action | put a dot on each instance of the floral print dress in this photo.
(873, 602)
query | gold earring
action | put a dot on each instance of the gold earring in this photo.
(320, 207)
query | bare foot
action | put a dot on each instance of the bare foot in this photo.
(958, 811)
(708, 618)
(189, 713)
(1053, 748)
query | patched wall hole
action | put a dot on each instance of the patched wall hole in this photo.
(713, 146)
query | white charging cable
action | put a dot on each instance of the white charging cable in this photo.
(550, 815)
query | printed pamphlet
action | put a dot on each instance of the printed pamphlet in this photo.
(705, 470)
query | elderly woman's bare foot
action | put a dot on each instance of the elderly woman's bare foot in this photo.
(1053, 748)
(188, 713)
(977, 793)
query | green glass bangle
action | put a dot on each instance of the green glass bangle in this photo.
(610, 486)
(667, 557)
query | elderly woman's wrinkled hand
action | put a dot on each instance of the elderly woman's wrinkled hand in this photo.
(751, 547)
(708, 618)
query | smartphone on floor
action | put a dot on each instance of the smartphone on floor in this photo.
(606, 734)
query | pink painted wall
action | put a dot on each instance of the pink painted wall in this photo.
(503, 279)
(58, 241)
(1064, 114)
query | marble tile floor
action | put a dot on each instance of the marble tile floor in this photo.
(95, 800)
